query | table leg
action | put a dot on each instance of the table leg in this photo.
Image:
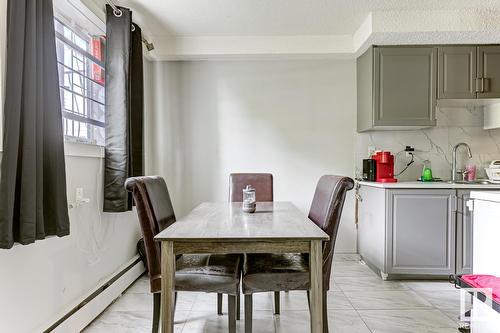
(167, 286)
(316, 270)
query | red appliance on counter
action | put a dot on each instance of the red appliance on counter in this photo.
(385, 167)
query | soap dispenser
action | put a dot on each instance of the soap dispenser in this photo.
(427, 171)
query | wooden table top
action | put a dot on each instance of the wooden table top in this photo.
(223, 221)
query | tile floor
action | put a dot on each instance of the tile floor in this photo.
(358, 302)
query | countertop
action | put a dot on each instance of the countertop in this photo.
(487, 196)
(430, 185)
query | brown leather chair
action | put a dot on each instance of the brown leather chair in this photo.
(274, 272)
(206, 273)
(261, 182)
(263, 185)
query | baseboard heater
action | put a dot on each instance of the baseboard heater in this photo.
(82, 314)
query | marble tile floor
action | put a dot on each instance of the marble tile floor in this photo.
(358, 302)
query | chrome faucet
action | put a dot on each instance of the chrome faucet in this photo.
(454, 158)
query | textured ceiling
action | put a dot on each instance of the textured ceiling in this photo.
(218, 29)
(272, 17)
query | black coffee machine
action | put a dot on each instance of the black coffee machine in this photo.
(369, 169)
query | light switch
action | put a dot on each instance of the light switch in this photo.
(79, 194)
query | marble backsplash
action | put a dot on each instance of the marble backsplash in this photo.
(435, 144)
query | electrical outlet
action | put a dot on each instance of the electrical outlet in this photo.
(409, 151)
(79, 194)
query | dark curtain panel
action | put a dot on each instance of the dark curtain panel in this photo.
(33, 201)
(136, 104)
(124, 108)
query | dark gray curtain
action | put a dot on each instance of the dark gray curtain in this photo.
(33, 201)
(124, 108)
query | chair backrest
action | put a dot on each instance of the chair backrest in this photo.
(262, 182)
(326, 210)
(155, 213)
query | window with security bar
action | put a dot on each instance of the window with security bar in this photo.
(80, 58)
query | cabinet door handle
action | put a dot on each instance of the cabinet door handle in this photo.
(470, 205)
(485, 85)
(482, 84)
(478, 79)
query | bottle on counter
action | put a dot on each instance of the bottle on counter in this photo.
(427, 171)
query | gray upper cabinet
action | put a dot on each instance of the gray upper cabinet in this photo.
(364, 84)
(397, 88)
(457, 72)
(469, 72)
(488, 71)
(421, 232)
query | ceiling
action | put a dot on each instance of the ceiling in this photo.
(190, 25)
(273, 17)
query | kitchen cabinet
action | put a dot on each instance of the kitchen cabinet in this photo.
(416, 230)
(396, 88)
(457, 72)
(407, 233)
(469, 72)
(421, 232)
(489, 71)
(464, 234)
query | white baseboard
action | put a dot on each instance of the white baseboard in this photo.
(82, 317)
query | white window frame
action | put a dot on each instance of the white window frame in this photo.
(79, 18)
(78, 85)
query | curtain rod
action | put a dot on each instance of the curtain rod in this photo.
(117, 12)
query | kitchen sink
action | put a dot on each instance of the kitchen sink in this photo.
(474, 182)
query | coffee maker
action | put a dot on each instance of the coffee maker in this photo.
(384, 165)
(369, 169)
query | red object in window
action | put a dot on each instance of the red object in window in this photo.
(98, 52)
(385, 167)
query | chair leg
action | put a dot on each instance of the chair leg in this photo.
(219, 304)
(231, 304)
(238, 310)
(248, 313)
(175, 300)
(325, 312)
(156, 312)
(276, 302)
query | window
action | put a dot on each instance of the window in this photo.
(80, 58)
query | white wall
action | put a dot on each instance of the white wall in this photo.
(295, 119)
(41, 281)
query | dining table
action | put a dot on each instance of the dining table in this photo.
(223, 228)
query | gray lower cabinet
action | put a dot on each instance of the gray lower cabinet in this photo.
(464, 234)
(397, 88)
(421, 232)
(457, 72)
